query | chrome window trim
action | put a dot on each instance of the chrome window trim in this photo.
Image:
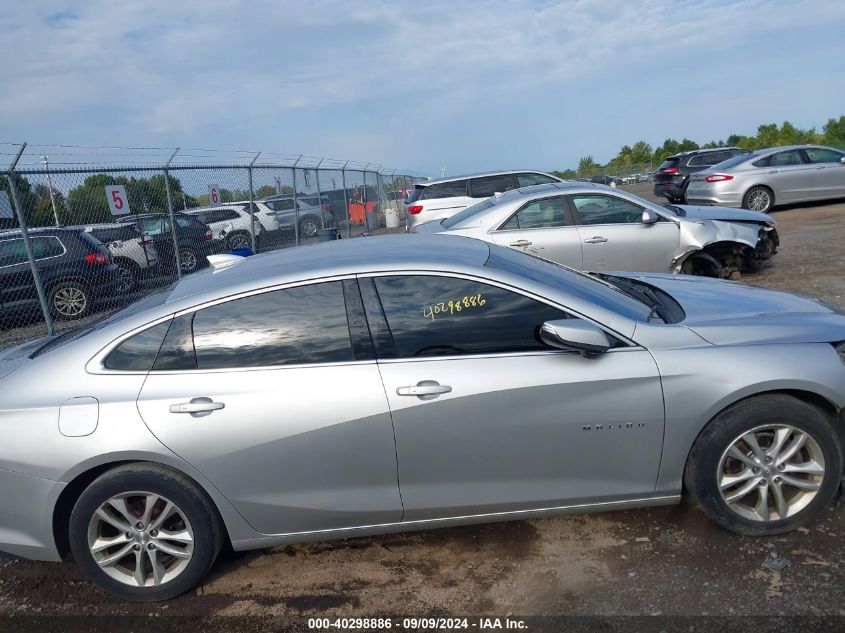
(38, 259)
(504, 286)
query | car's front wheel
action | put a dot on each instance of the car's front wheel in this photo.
(128, 273)
(188, 260)
(758, 199)
(69, 300)
(766, 465)
(144, 533)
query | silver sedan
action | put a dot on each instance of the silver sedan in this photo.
(597, 228)
(403, 383)
(769, 177)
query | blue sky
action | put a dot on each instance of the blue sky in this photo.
(471, 85)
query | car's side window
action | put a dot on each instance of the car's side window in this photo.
(785, 159)
(12, 252)
(490, 185)
(138, 352)
(527, 180)
(821, 155)
(306, 324)
(703, 160)
(153, 226)
(601, 209)
(445, 190)
(539, 214)
(43, 247)
(429, 315)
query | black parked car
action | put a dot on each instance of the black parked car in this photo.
(613, 181)
(194, 238)
(75, 269)
(672, 177)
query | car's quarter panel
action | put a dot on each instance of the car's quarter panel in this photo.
(295, 449)
(525, 431)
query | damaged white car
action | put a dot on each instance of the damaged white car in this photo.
(592, 227)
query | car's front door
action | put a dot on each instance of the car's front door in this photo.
(828, 172)
(614, 236)
(276, 399)
(489, 420)
(543, 228)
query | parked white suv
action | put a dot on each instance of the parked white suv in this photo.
(230, 223)
(133, 253)
(262, 212)
(441, 198)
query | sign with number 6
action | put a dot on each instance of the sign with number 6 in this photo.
(118, 202)
(213, 194)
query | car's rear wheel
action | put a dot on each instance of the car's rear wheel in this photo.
(128, 273)
(241, 239)
(760, 199)
(188, 260)
(144, 533)
(69, 300)
(766, 465)
(308, 227)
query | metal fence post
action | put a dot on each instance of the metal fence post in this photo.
(295, 204)
(30, 256)
(172, 216)
(364, 197)
(252, 205)
(320, 195)
(346, 200)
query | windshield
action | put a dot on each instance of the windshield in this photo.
(155, 299)
(467, 213)
(548, 273)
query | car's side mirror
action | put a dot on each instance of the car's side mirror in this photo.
(575, 335)
(842, 160)
(650, 217)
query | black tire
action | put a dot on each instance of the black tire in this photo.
(69, 300)
(704, 462)
(128, 272)
(238, 239)
(754, 197)
(203, 518)
(188, 260)
(308, 226)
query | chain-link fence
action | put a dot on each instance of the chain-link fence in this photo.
(627, 172)
(84, 231)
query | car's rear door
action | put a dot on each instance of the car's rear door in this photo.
(614, 236)
(544, 228)
(488, 420)
(276, 398)
(791, 176)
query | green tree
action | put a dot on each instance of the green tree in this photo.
(265, 191)
(834, 131)
(587, 166)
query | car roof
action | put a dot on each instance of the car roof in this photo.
(765, 151)
(99, 225)
(426, 183)
(234, 206)
(705, 151)
(41, 230)
(340, 257)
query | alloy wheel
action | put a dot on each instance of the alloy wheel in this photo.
(125, 279)
(759, 200)
(239, 240)
(70, 301)
(187, 260)
(141, 539)
(308, 228)
(771, 472)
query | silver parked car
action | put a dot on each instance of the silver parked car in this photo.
(597, 228)
(766, 178)
(409, 382)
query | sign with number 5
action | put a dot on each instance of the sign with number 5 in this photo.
(213, 194)
(118, 202)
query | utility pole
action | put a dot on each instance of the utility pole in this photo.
(46, 161)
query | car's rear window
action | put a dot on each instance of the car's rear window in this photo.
(736, 160)
(670, 162)
(445, 190)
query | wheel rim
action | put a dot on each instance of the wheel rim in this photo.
(309, 228)
(141, 539)
(125, 279)
(759, 200)
(771, 472)
(187, 260)
(70, 301)
(239, 241)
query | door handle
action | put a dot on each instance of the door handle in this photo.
(423, 388)
(774, 171)
(521, 243)
(596, 240)
(197, 407)
(822, 167)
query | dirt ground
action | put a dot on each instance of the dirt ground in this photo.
(666, 561)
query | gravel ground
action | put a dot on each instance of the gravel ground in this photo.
(667, 561)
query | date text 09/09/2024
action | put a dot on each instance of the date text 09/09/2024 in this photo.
(415, 624)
